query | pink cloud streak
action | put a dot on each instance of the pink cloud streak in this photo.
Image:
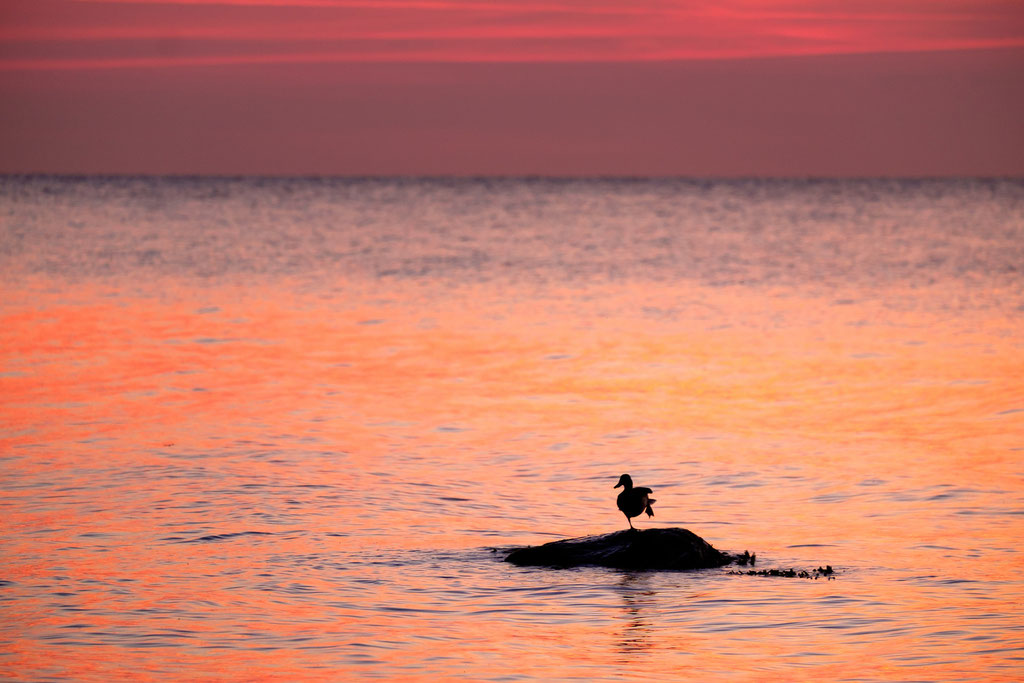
(101, 34)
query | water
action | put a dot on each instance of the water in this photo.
(283, 429)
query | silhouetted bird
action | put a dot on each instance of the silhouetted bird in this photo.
(633, 501)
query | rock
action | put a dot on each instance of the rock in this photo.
(628, 549)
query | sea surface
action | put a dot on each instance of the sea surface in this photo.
(286, 429)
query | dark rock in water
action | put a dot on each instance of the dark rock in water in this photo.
(628, 549)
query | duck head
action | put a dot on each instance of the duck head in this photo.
(625, 481)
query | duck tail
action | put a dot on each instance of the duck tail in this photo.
(650, 510)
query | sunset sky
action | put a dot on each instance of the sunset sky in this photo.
(466, 87)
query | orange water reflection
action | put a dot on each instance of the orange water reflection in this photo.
(381, 423)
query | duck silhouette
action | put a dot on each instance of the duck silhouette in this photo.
(633, 501)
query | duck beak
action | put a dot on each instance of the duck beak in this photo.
(617, 485)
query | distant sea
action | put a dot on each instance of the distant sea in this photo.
(286, 429)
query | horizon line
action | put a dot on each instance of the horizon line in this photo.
(316, 58)
(515, 177)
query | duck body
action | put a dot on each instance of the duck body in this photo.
(633, 500)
